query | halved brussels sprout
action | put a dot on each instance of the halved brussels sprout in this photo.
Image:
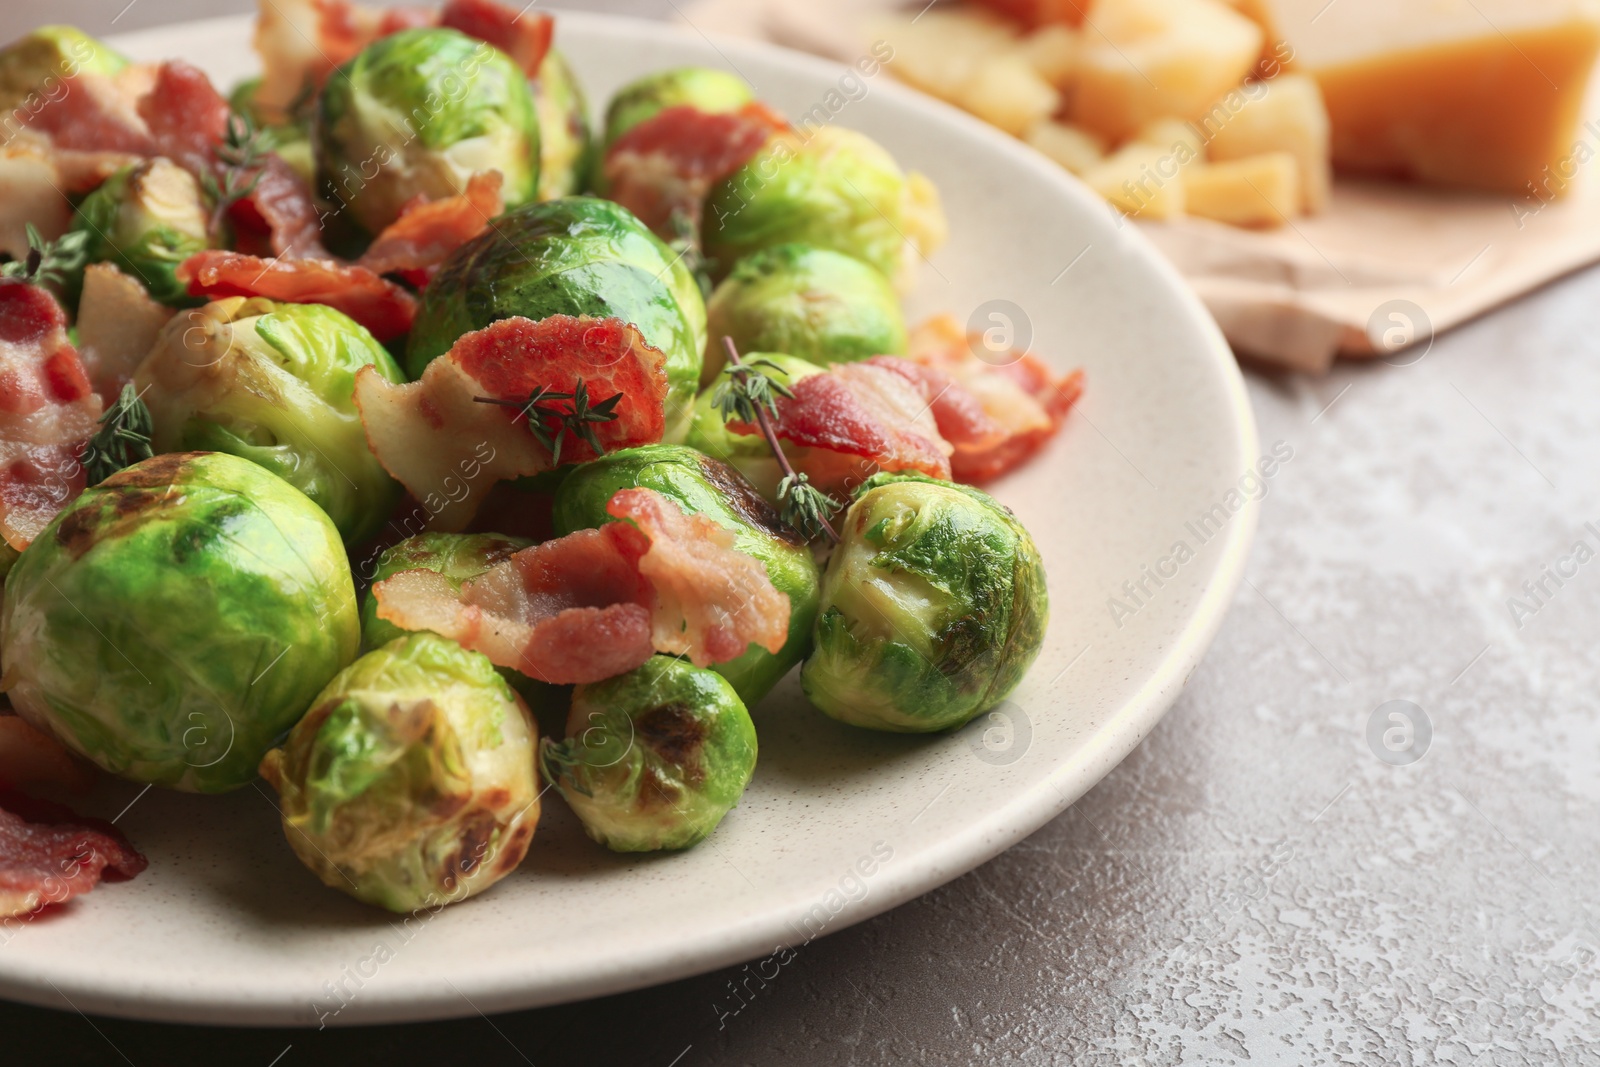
(410, 783)
(712, 91)
(565, 144)
(147, 219)
(705, 486)
(933, 607)
(421, 111)
(833, 188)
(655, 758)
(275, 384)
(459, 557)
(176, 618)
(746, 453)
(41, 60)
(574, 256)
(815, 303)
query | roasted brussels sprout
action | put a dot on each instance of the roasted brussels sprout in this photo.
(459, 557)
(147, 219)
(178, 617)
(835, 188)
(708, 90)
(410, 783)
(746, 453)
(565, 147)
(933, 607)
(820, 305)
(42, 60)
(655, 758)
(574, 256)
(275, 384)
(705, 486)
(421, 111)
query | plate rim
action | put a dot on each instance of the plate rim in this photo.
(963, 851)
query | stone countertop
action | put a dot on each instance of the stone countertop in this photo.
(1272, 877)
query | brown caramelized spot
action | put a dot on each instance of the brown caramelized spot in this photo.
(477, 830)
(160, 470)
(496, 797)
(655, 792)
(515, 848)
(673, 732)
(748, 504)
(105, 517)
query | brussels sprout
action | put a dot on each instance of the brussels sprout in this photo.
(834, 188)
(178, 617)
(820, 305)
(746, 453)
(459, 557)
(933, 607)
(39, 62)
(410, 782)
(574, 256)
(275, 384)
(654, 758)
(421, 111)
(702, 485)
(708, 90)
(564, 140)
(147, 219)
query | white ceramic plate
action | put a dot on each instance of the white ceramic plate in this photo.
(840, 824)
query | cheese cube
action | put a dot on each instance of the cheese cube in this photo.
(1259, 190)
(1143, 60)
(1482, 94)
(1285, 114)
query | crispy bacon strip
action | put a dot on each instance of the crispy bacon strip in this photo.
(598, 603)
(118, 324)
(281, 212)
(96, 113)
(186, 116)
(376, 303)
(48, 855)
(47, 412)
(523, 35)
(856, 419)
(428, 231)
(996, 412)
(667, 164)
(301, 42)
(448, 449)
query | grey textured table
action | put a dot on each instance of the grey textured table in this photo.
(1267, 879)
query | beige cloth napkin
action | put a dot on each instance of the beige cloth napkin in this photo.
(1386, 266)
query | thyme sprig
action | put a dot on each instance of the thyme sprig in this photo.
(49, 261)
(241, 154)
(551, 424)
(750, 395)
(122, 440)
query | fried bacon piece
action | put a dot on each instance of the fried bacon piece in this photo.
(301, 42)
(996, 411)
(523, 35)
(598, 603)
(427, 231)
(667, 164)
(47, 412)
(854, 420)
(1035, 13)
(48, 855)
(186, 116)
(448, 448)
(118, 323)
(376, 303)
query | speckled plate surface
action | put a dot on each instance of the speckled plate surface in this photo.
(1150, 485)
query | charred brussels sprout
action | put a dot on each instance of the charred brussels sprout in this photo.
(421, 111)
(708, 90)
(820, 305)
(564, 139)
(702, 485)
(933, 607)
(147, 219)
(835, 188)
(459, 557)
(39, 63)
(746, 453)
(654, 758)
(410, 782)
(178, 617)
(574, 256)
(275, 384)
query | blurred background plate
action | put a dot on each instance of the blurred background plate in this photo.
(840, 824)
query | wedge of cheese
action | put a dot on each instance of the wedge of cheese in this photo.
(1482, 94)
